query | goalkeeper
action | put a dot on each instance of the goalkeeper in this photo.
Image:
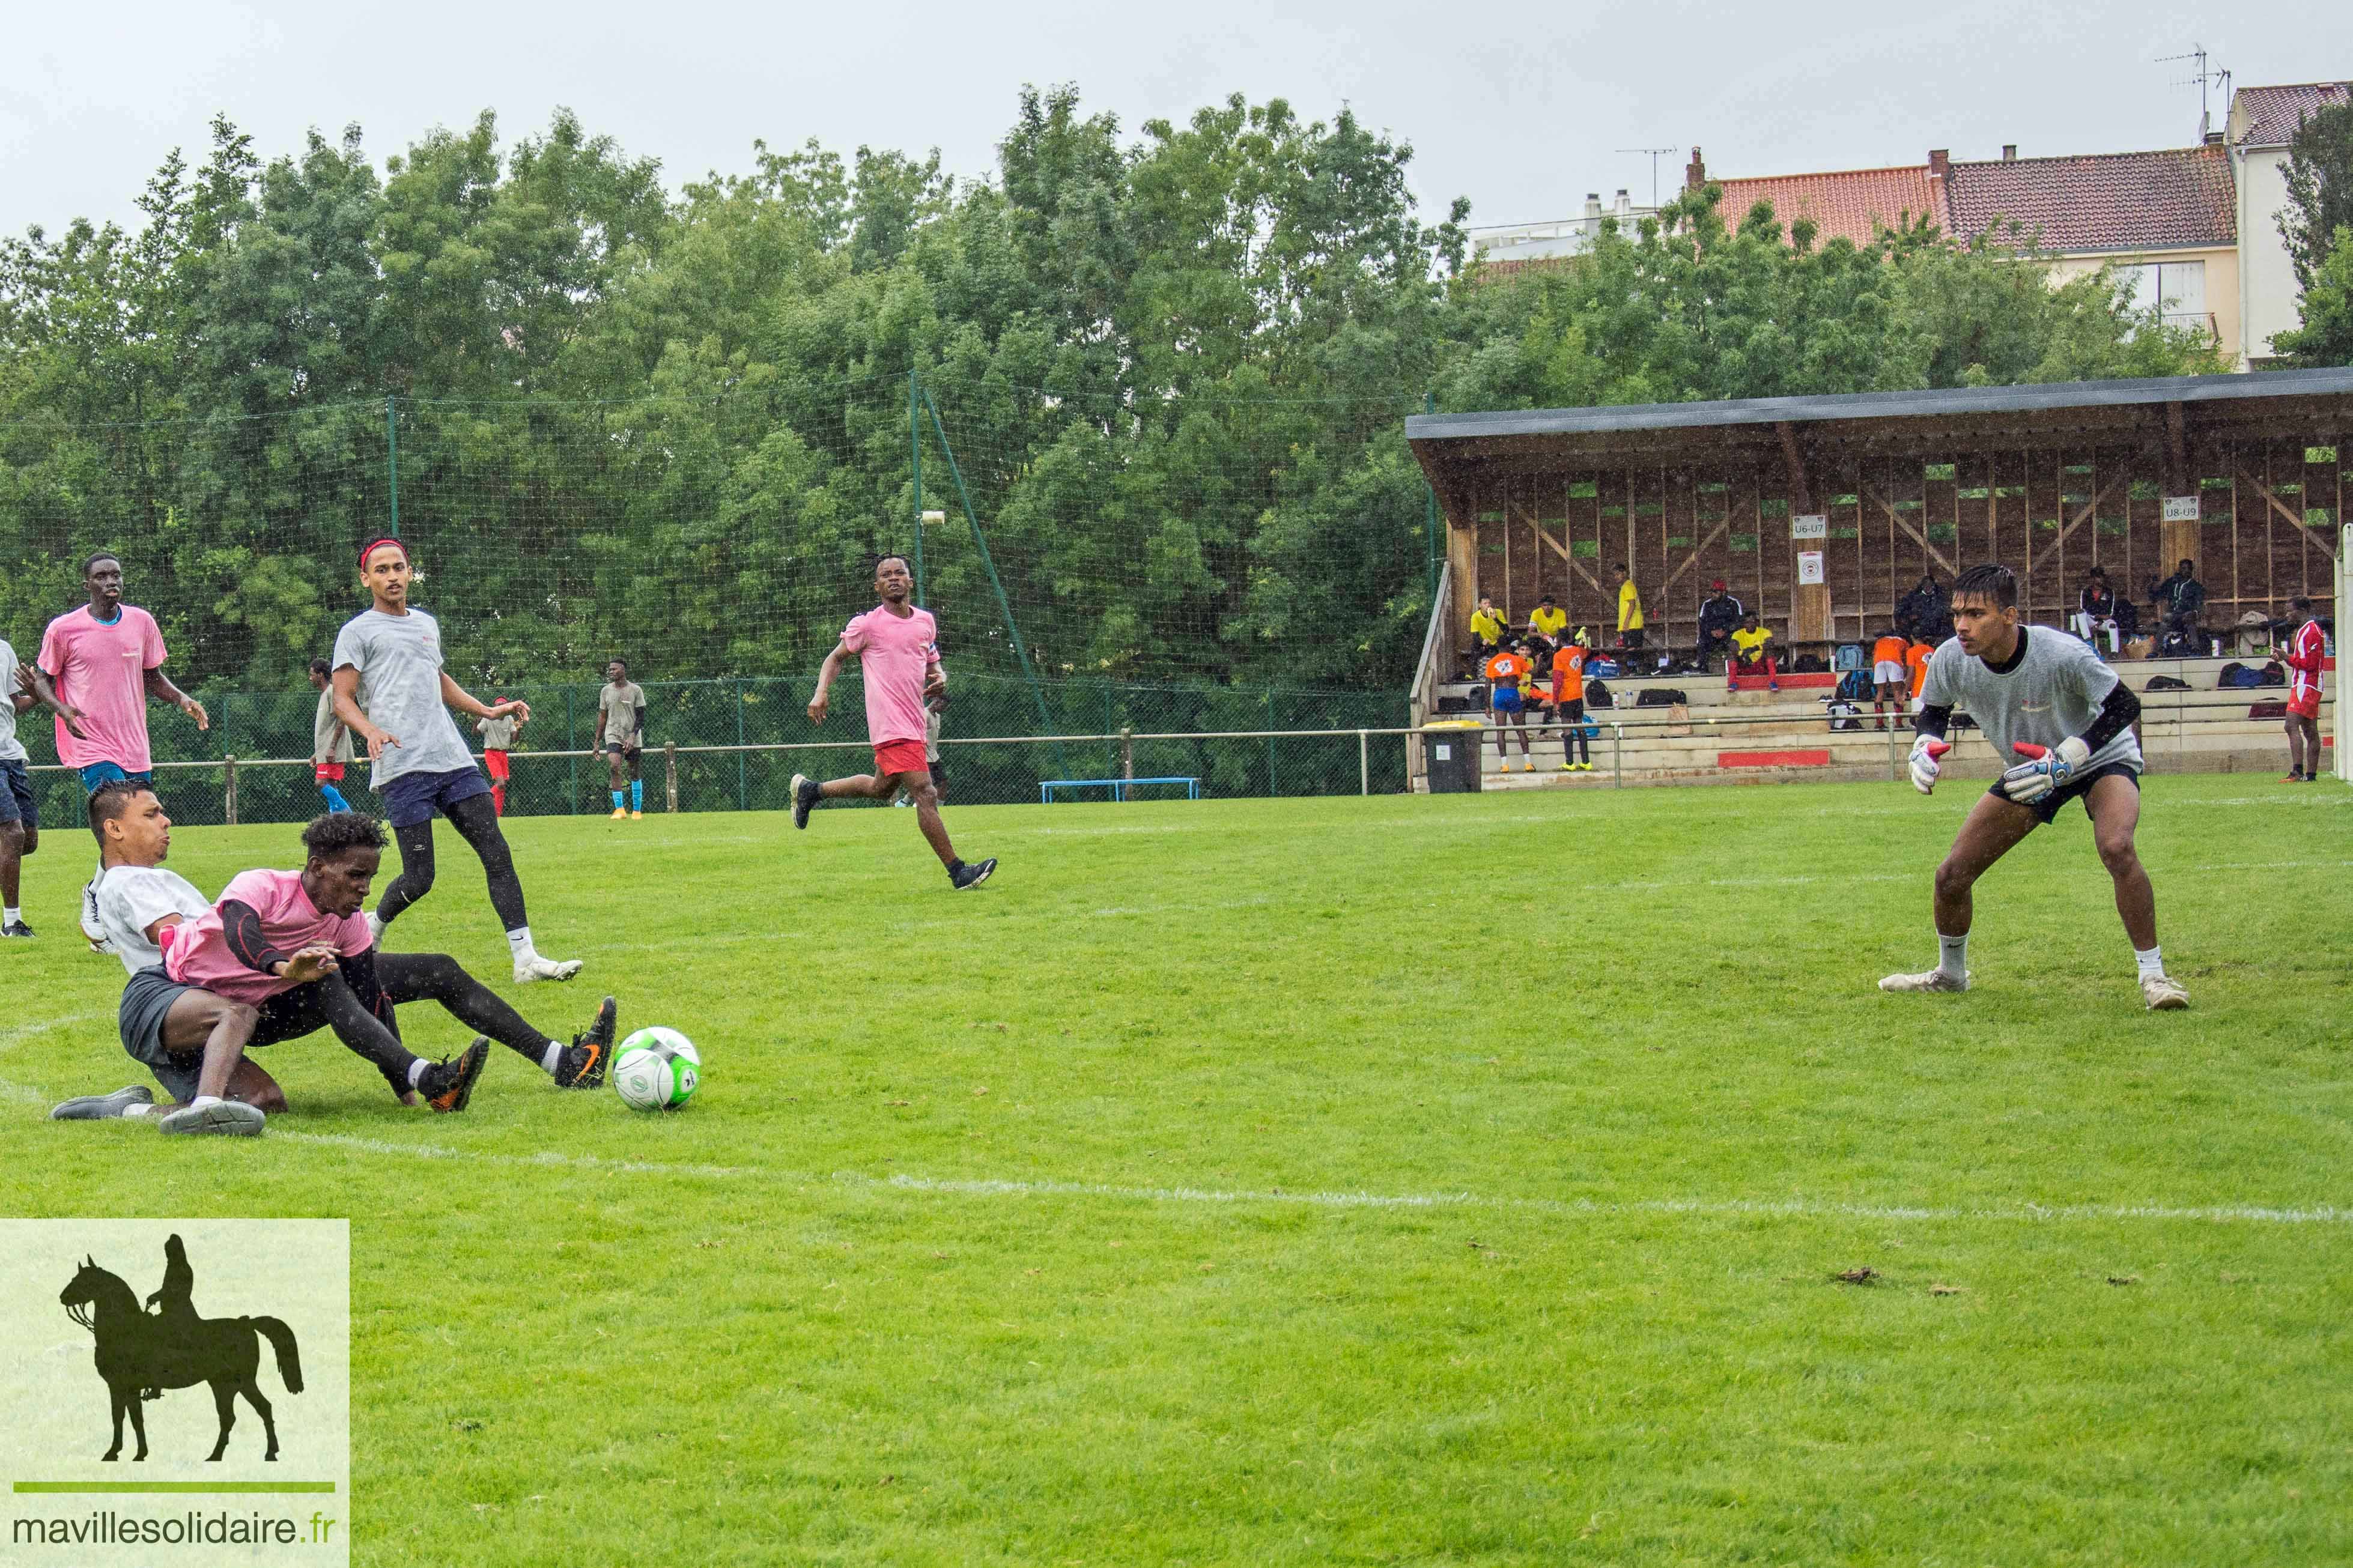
(2046, 699)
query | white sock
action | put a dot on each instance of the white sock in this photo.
(1953, 955)
(135, 1110)
(417, 1071)
(549, 1057)
(518, 940)
(203, 1099)
(2152, 963)
(10, 915)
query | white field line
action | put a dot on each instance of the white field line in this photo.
(1791, 1209)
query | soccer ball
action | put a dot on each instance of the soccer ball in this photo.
(657, 1070)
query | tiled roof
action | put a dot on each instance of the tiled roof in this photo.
(1854, 203)
(2274, 112)
(2106, 202)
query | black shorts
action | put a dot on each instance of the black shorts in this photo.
(1631, 637)
(939, 775)
(16, 803)
(633, 755)
(2046, 810)
(1572, 709)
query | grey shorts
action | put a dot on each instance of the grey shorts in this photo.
(147, 999)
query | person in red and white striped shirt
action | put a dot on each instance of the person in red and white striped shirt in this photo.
(2301, 653)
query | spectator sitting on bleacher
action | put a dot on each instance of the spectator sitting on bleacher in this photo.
(2095, 611)
(1752, 652)
(1719, 615)
(1548, 620)
(1504, 672)
(1487, 626)
(2179, 599)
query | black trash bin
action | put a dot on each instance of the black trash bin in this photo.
(1450, 756)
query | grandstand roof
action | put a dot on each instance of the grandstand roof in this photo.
(2107, 202)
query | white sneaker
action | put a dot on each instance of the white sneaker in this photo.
(2163, 993)
(527, 970)
(376, 927)
(1932, 980)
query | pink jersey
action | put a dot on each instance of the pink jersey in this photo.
(102, 670)
(202, 956)
(2306, 650)
(896, 652)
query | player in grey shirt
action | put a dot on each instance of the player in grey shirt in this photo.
(392, 692)
(20, 823)
(330, 739)
(2043, 697)
(621, 736)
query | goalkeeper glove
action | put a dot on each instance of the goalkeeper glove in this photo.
(1927, 756)
(2044, 771)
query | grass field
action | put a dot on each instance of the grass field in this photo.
(1452, 1179)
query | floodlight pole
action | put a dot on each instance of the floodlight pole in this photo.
(916, 448)
(392, 459)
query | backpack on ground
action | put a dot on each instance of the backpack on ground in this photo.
(1596, 695)
(2236, 675)
(1845, 715)
(1659, 697)
(1856, 686)
(2272, 675)
(2165, 683)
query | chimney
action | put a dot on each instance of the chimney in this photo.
(1625, 205)
(2214, 139)
(1695, 172)
(1592, 214)
(2009, 151)
(1940, 163)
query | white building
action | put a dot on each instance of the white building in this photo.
(1504, 245)
(2261, 120)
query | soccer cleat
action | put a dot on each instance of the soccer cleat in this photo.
(583, 1063)
(1568, 767)
(2292, 778)
(15, 928)
(1932, 980)
(2163, 993)
(620, 816)
(102, 1107)
(804, 799)
(447, 1085)
(972, 876)
(222, 1118)
(636, 816)
(527, 970)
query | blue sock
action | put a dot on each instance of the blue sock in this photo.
(616, 800)
(637, 795)
(335, 801)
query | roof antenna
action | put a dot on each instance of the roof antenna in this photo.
(2200, 79)
(1654, 153)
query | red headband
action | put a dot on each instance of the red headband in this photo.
(373, 545)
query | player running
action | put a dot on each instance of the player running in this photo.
(20, 819)
(330, 739)
(281, 954)
(898, 648)
(2046, 698)
(2304, 651)
(621, 736)
(97, 667)
(391, 689)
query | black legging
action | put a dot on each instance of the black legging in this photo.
(357, 1003)
(477, 822)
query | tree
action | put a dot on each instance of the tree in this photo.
(2319, 174)
(2324, 338)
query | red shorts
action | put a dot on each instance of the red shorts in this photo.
(496, 761)
(327, 772)
(2303, 702)
(900, 757)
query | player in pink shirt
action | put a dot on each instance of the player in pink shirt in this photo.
(2306, 650)
(98, 667)
(898, 648)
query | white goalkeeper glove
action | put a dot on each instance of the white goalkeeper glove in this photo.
(2044, 771)
(1928, 757)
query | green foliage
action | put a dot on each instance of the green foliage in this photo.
(2319, 176)
(2324, 336)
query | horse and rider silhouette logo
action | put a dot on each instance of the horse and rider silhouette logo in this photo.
(143, 1352)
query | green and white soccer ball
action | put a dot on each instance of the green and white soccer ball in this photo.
(657, 1070)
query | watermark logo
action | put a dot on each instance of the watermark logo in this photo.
(183, 1391)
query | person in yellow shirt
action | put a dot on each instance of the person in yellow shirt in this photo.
(1487, 626)
(1752, 650)
(1549, 620)
(1629, 609)
(1504, 672)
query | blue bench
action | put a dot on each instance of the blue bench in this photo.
(1118, 787)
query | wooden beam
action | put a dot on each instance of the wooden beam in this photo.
(2089, 508)
(1917, 537)
(2177, 452)
(1801, 495)
(1559, 549)
(2318, 535)
(1693, 559)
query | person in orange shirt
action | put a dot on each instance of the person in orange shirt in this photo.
(1504, 672)
(1889, 676)
(1568, 707)
(1917, 656)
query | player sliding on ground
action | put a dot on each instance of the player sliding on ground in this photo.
(2045, 697)
(898, 647)
(392, 692)
(281, 955)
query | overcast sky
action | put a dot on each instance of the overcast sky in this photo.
(1519, 106)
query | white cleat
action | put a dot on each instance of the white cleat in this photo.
(537, 968)
(221, 1119)
(2163, 993)
(1934, 979)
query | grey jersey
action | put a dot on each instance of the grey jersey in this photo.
(12, 750)
(2053, 691)
(399, 662)
(330, 741)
